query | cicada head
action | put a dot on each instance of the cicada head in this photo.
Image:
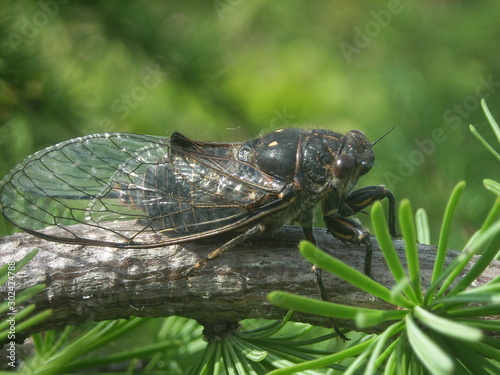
(350, 157)
(355, 156)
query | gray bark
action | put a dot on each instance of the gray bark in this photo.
(85, 283)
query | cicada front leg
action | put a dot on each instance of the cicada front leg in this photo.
(358, 200)
(348, 230)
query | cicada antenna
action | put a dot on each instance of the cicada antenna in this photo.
(373, 144)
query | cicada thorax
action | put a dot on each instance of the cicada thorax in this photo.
(300, 156)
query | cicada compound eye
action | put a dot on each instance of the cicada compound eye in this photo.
(344, 166)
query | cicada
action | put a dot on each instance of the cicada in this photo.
(139, 191)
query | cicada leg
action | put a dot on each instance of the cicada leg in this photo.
(348, 230)
(306, 222)
(358, 200)
(249, 233)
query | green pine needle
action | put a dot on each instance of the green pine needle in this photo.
(445, 231)
(407, 226)
(428, 351)
(422, 225)
(447, 327)
(354, 277)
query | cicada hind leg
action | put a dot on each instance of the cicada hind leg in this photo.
(249, 233)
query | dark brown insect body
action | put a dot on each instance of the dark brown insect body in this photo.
(178, 190)
(172, 190)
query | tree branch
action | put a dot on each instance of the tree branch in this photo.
(85, 283)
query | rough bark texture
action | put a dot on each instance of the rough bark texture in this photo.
(86, 283)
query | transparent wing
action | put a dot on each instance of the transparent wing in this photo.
(135, 190)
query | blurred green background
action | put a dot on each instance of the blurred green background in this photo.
(230, 70)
